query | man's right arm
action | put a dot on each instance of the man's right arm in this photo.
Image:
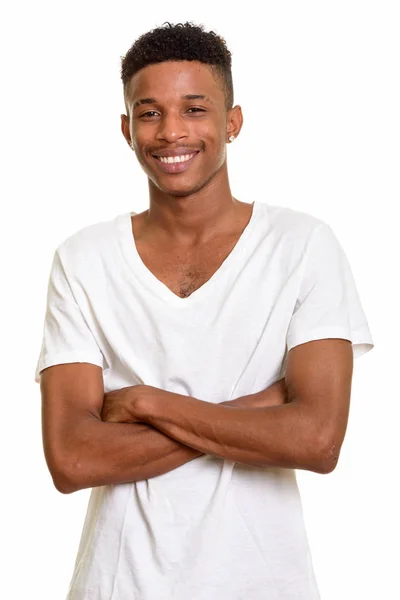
(82, 451)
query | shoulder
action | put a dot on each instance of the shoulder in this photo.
(283, 220)
(295, 234)
(90, 244)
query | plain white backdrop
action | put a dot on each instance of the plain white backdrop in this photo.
(318, 83)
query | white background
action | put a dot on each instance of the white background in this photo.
(318, 83)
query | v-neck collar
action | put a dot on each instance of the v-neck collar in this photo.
(131, 254)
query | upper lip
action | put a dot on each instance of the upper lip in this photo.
(175, 152)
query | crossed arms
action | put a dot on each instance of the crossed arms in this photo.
(298, 422)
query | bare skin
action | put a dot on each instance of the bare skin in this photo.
(117, 404)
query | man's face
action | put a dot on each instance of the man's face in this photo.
(177, 109)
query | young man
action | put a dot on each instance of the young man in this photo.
(194, 355)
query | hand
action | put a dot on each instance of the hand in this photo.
(121, 406)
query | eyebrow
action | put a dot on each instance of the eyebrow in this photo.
(186, 97)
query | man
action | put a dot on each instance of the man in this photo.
(194, 355)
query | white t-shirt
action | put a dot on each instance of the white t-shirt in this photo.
(211, 528)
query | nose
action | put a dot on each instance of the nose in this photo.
(172, 127)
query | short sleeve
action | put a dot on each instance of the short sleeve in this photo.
(66, 336)
(328, 304)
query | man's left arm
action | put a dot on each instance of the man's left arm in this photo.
(305, 433)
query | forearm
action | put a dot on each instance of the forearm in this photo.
(111, 453)
(281, 436)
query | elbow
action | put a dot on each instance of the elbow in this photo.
(324, 466)
(325, 460)
(63, 482)
(63, 485)
(63, 478)
(328, 461)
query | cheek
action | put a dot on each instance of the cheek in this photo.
(143, 133)
(141, 137)
(211, 136)
(141, 144)
(210, 129)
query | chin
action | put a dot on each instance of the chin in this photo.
(180, 190)
(180, 193)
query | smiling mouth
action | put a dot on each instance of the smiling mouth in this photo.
(170, 160)
(174, 165)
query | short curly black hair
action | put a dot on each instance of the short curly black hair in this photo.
(183, 41)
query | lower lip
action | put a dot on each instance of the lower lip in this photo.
(179, 167)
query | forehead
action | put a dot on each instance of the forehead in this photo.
(174, 79)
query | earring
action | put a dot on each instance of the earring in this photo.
(231, 138)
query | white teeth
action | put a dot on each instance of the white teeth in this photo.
(175, 159)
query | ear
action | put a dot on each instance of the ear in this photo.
(234, 121)
(125, 128)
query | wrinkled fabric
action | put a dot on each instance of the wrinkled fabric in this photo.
(211, 528)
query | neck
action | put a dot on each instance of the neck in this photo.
(196, 217)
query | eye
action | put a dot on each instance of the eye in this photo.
(149, 113)
(195, 108)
